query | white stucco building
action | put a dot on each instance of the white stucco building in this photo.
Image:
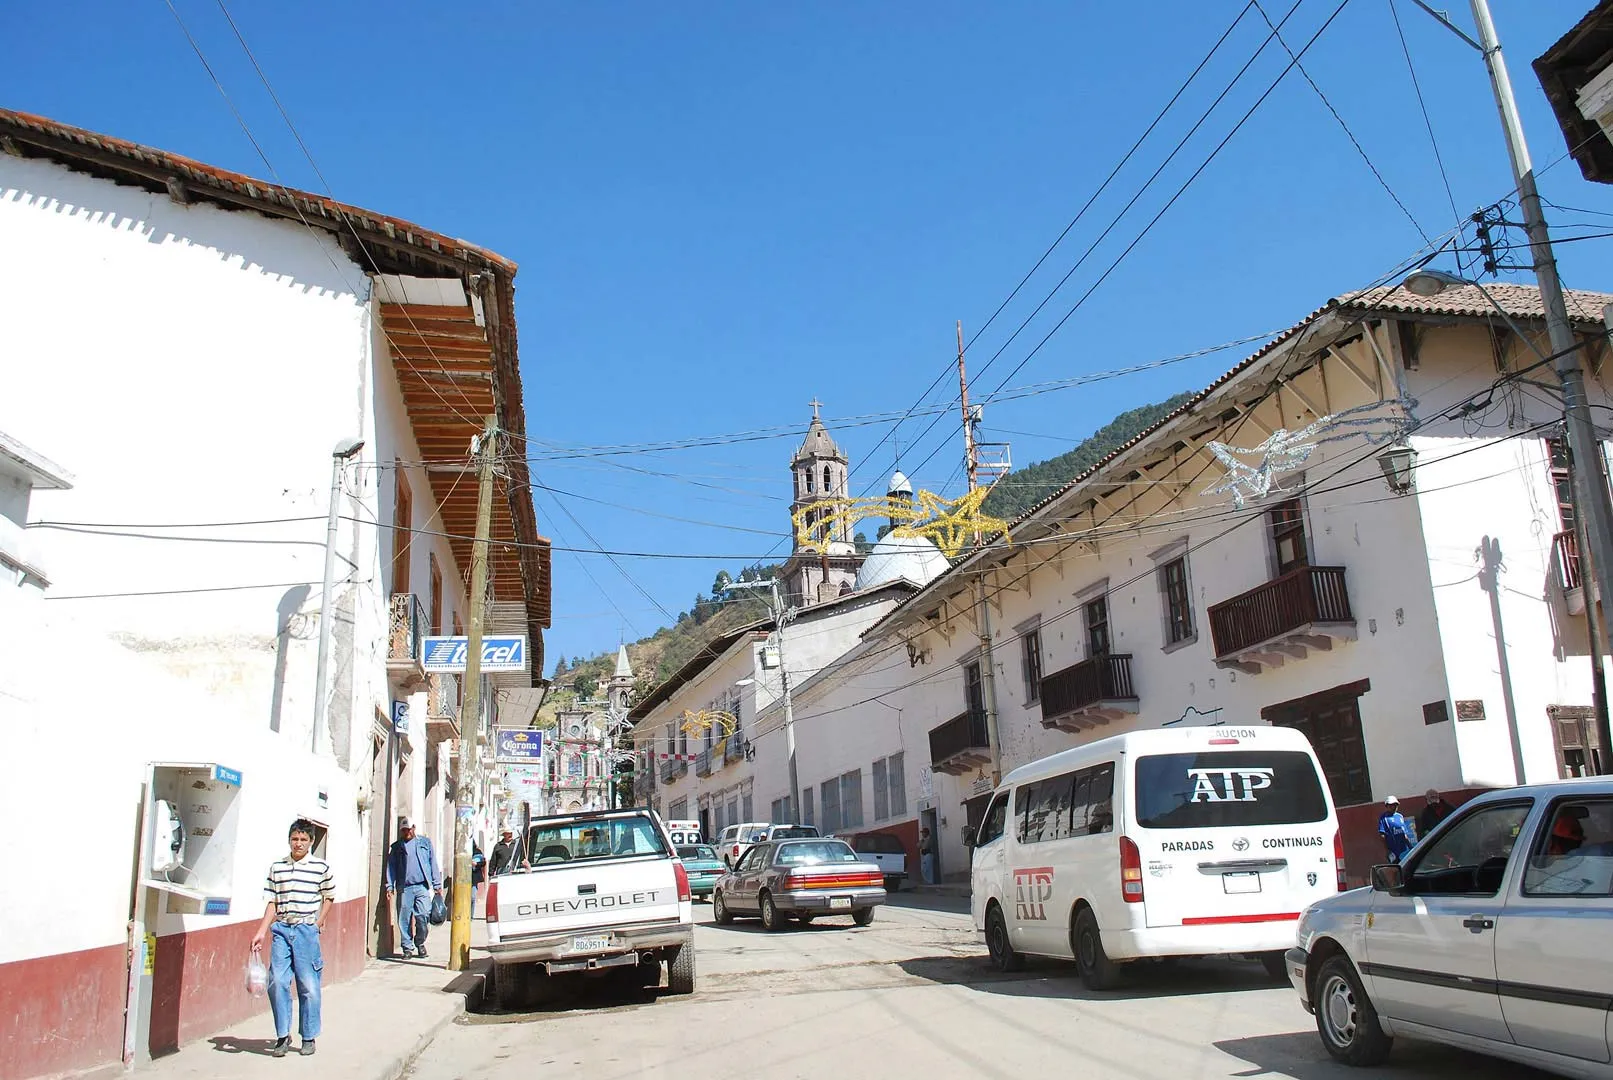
(191, 344)
(1140, 596)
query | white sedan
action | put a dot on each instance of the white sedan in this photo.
(1495, 935)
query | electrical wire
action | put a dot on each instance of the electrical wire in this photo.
(1428, 123)
(1359, 149)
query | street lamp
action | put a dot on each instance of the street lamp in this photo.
(344, 452)
(780, 617)
(1397, 464)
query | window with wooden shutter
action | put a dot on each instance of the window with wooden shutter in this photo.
(1573, 732)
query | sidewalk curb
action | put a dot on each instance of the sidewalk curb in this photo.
(467, 990)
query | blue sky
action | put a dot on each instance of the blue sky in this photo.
(724, 210)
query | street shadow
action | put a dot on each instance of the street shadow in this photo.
(231, 1044)
(542, 995)
(816, 926)
(1047, 978)
(1299, 1055)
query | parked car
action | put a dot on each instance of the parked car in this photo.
(605, 892)
(1189, 841)
(700, 862)
(885, 851)
(1493, 935)
(803, 878)
(733, 840)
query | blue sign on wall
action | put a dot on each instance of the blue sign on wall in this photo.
(400, 717)
(517, 745)
(227, 775)
(447, 653)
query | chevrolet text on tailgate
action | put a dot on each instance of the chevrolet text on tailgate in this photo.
(606, 891)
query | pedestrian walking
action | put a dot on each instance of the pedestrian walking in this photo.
(298, 896)
(1399, 835)
(508, 855)
(1435, 811)
(411, 873)
(927, 856)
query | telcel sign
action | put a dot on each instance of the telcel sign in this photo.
(447, 654)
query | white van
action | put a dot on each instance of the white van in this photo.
(1181, 842)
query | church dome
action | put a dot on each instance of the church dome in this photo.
(915, 558)
(900, 485)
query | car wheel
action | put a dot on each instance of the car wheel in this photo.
(1276, 964)
(719, 909)
(1002, 953)
(1097, 970)
(506, 987)
(680, 972)
(771, 918)
(863, 916)
(1345, 1017)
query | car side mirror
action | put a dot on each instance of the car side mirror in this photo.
(1389, 878)
(968, 836)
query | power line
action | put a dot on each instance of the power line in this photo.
(1428, 123)
(1347, 132)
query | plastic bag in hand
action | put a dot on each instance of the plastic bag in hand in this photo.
(257, 976)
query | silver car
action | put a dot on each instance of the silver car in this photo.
(804, 878)
(1495, 935)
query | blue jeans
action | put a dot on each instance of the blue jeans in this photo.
(294, 953)
(414, 916)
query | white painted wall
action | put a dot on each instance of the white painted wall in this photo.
(191, 365)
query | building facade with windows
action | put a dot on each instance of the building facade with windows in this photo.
(1335, 536)
(223, 336)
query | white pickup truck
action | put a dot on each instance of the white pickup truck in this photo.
(606, 890)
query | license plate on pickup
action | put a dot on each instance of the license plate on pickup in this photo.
(839, 903)
(1240, 883)
(591, 943)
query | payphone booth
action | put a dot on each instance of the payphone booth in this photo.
(186, 866)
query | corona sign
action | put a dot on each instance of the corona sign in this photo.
(951, 524)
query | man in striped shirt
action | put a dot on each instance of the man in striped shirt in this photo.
(298, 893)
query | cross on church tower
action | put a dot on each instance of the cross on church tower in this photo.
(816, 405)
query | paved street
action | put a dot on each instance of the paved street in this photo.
(912, 995)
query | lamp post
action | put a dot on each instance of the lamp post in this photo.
(1593, 512)
(344, 452)
(1590, 486)
(781, 616)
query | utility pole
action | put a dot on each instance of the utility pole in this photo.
(1594, 506)
(471, 701)
(1490, 581)
(988, 667)
(344, 452)
(780, 617)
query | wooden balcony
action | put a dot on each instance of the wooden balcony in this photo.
(702, 765)
(1565, 568)
(960, 745)
(733, 748)
(442, 707)
(406, 631)
(1306, 608)
(1085, 695)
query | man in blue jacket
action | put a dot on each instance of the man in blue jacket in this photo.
(411, 866)
(1398, 833)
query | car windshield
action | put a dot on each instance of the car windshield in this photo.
(1228, 788)
(697, 852)
(786, 832)
(811, 854)
(607, 838)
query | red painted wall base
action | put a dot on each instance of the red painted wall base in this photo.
(65, 1012)
(1359, 825)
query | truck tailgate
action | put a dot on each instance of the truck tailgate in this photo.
(558, 898)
